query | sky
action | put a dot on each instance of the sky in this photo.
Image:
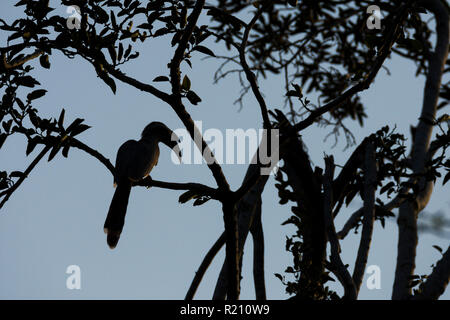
(56, 218)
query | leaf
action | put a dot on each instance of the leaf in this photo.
(193, 97)
(65, 151)
(127, 52)
(44, 61)
(14, 36)
(3, 137)
(350, 196)
(61, 118)
(54, 152)
(186, 85)
(7, 125)
(147, 26)
(279, 276)
(74, 124)
(120, 54)
(414, 283)
(200, 201)
(112, 53)
(113, 19)
(443, 118)
(36, 94)
(438, 248)
(16, 174)
(79, 129)
(21, 3)
(188, 195)
(161, 79)
(161, 32)
(27, 81)
(204, 50)
(386, 187)
(446, 178)
(32, 143)
(292, 93)
(20, 103)
(108, 80)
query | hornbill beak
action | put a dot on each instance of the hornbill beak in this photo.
(172, 142)
(161, 132)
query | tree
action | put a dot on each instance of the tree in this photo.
(331, 48)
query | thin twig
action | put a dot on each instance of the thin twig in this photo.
(24, 175)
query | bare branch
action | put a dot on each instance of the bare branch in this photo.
(370, 181)
(196, 187)
(118, 74)
(249, 74)
(256, 230)
(204, 266)
(338, 266)
(25, 174)
(246, 212)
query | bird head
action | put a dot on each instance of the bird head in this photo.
(159, 131)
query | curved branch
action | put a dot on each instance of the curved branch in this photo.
(249, 74)
(204, 266)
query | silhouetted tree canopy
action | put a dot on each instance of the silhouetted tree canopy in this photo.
(321, 48)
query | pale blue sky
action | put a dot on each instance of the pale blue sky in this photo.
(56, 217)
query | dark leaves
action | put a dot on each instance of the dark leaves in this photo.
(27, 81)
(36, 94)
(161, 79)
(44, 61)
(204, 50)
(193, 97)
(186, 84)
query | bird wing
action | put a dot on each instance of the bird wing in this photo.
(135, 160)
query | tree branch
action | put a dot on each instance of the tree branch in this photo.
(437, 281)
(256, 230)
(368, 79)
(16, 185)
(204, 266)
(196, 187)
(370, 181)
(338, 266)
(249, 74)
(246, 211)
(408, 213)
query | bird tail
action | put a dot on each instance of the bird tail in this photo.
(116, 213)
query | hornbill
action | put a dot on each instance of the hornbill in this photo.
(134, 161)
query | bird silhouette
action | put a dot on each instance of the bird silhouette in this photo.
(134, 161)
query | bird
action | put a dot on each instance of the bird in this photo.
(134, 161)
